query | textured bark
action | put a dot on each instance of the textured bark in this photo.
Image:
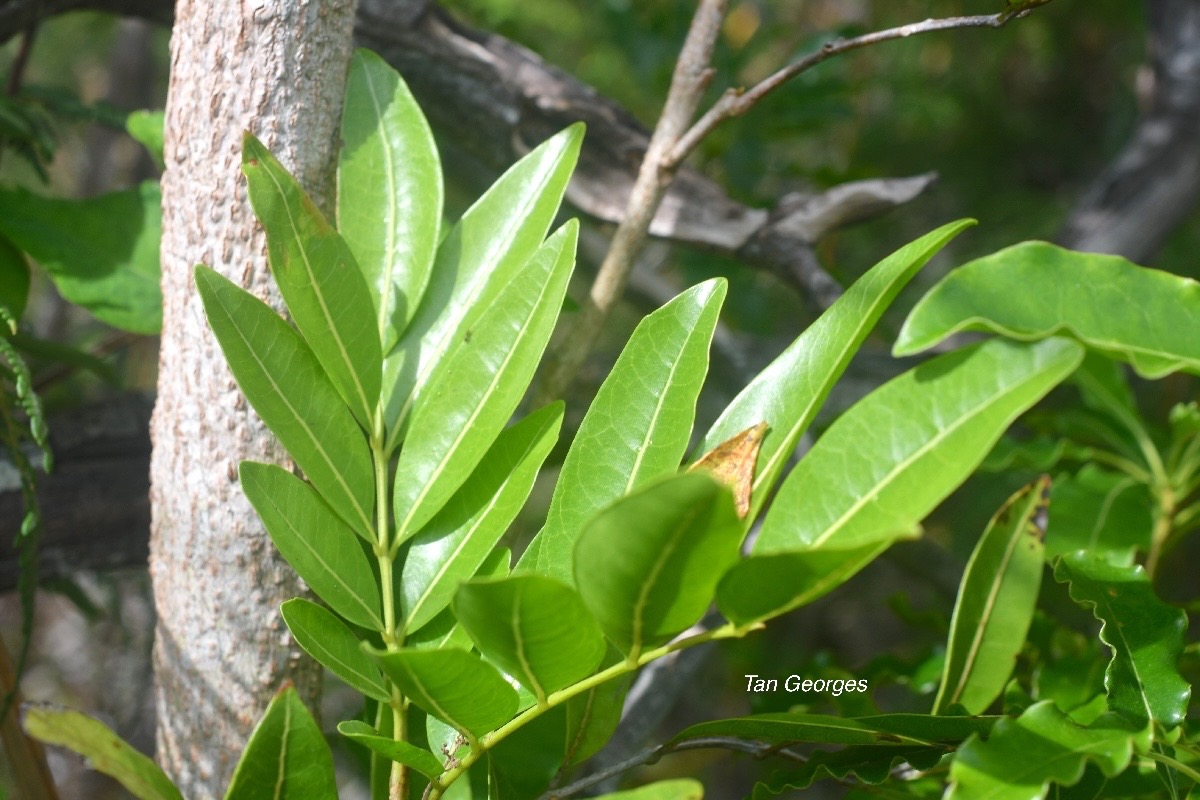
(221, 649)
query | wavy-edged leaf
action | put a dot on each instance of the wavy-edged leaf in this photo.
(320, 547)
(101, 253)
(647, 566)
(287, 757)
(286, 385)
(458, 418)
(1105, 513)
(788, 393)
(535, 628)
(1144, 633)
(638, 426)
(479, 256)
(889, 460)
(452, 685)
(404, 753)
(1022, 757)
(1034, 289)
(389, 191)
(326, 294)
(327, 639)
(456, 542)
(678, 789)
(105, 751)
(996, 599)
(891, 730)
(871, 764)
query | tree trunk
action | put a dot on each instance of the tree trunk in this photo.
(222, 650)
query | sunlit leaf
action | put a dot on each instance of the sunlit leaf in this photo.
(287, 757)
(327, 639)
(410, 755)
(679, 789)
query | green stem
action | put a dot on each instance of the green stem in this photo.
(1175, 764)
(623, 667)
(1163, 520)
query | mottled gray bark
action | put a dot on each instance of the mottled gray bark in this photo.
(221, 649)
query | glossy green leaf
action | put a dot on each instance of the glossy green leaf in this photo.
(1023, 756)
(287, 757)
(452, 685)
(480, 255)
(101, 253)
(456, 542)
(389, 191)
(788, 393)
(1107, 514)
(892, 730)
(535, 628)
(443, 630)
(996, 599)
(1144, 633)
(889, 460)
(638, 426)
(105, 751)
(326, 294)
(410, 755)
(14, 278)
(146, 128)
(327, 639)
(1034, 289)
(679, 789)
(286, 385)
(320, 547)
(647, 566)
(459, 417)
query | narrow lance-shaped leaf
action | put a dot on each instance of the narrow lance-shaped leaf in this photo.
(638, 426)
(326, 295)
(410, 755)
(788, 393)
(461, 415)
(443, 631)
(1034, 289)
(389, 191)
(286, 385)
(996, 599)
(287, 757)
(1144, 633)
(327, 639)
(888, 730)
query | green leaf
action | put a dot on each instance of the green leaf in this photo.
(788, 393)
(523, 764)
(452, 685)
(481, 254)
(1034, 289)
(287, 757)
(592, 717)
(326, 294)
(889, 460)
(288, 388)
(410, 755)
(146, 128)
(638, 426)
(679, 789)
(996, 599)
(14, 278)
(534, 628)
(105, 751)
(1023, 756)
(101, 253)
(389, 191)
(327, 639)
(320, 547)
(1105, 513)
(647, 566)
(456, 542)
(1144, 633)
(458, 418)
(871, 764)
(892, 730)
(443, 630)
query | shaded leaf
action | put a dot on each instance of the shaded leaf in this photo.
(410, 755)
(327, 639)
(523, 764)
(1105, 513)
(592, 716)
(732, 463)
(14, 278)
(892, 730)
(871, 764)
(287, 757)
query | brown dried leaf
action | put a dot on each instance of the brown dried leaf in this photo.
(732, 463)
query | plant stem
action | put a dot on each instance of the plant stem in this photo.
(1174, 764)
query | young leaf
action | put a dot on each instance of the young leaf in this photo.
(638, 426)
(288, 388)
(890, 730)
(456, 542)
(679, 789)
(996, 599)
(410, 755)
(788, 393)
(452, 685)
(481, 254)
(1034, 289)
(320, 547)
(326, 295)
(389, 191)
(1023, 756)
(460, 415)
(647, 566)
(287, 757)
(1144, 633)
(327, 639)
(535, 628)
(105, 751)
